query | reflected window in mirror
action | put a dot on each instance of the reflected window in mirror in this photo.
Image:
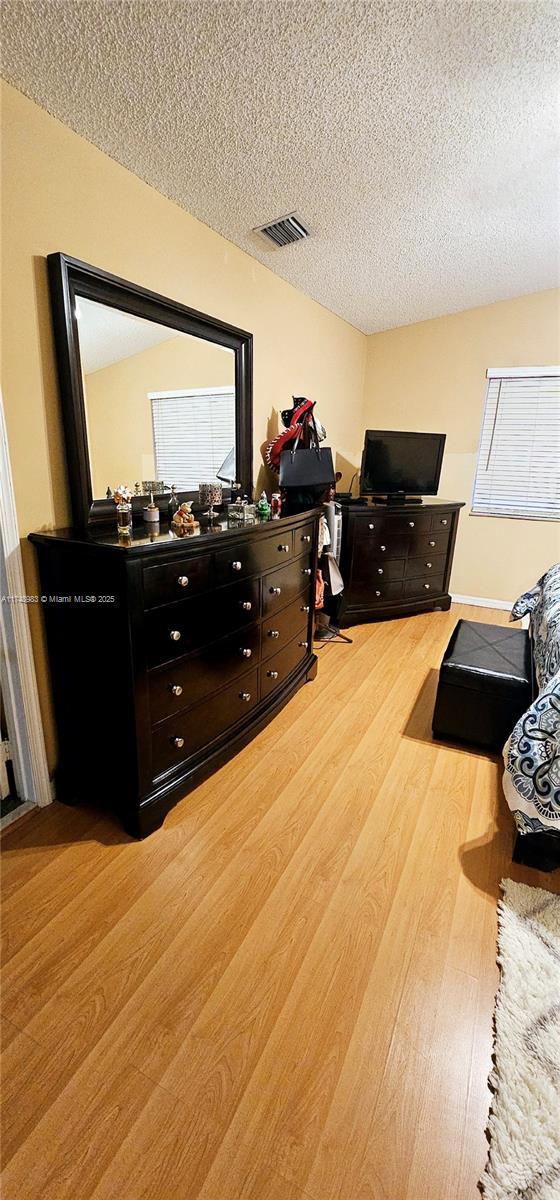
(159, 403)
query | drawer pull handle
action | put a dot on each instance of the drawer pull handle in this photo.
(431, 543)
(306, 537)
(275, 591)
(411, 523)
(236, 566)
(176, 689)
(246, 696)
(306, 571)
(272, 674)
(246, 605)
(274, 633)
(246, 652)
(178, 743)
(303, 645)
(175, 635)
(380, 570)
(428, 565)
(283, 549)
(378, 593)
(444, 521)
(427, 586)
(304, 608)
(183, 581)
(370, 526)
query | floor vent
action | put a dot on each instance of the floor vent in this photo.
(284, 230)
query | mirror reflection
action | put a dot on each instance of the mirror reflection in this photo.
(160, 404)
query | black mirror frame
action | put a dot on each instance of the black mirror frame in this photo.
(69, 278)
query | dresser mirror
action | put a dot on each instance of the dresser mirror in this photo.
(154, 394)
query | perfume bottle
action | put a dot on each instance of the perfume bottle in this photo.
(263, 507)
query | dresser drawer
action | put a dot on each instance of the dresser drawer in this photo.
(253, 556)
(202, 673)
(303, 538)
(283, 585)
(429, 543)
(183, 577)
(367, 568)
(378, 593)
(283, 626)
(408, 522)
(277, 669)
(423, 587)
(368, 525)
(176, 629)
(418, 567)
(182, 735)
(442, 520)
(390, 545)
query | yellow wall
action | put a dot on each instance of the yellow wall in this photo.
(432, 377)
(61, 193)
(119, 414)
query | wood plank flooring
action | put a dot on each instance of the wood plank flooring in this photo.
(287, 992)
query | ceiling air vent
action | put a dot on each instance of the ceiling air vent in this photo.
(284, 230)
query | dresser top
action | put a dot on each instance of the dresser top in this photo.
(420, 504)
(143, 540)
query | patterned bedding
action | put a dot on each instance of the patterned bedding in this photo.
(532, 754)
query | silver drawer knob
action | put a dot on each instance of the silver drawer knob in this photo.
(274, 633)
(246, 652)
(236, 566)
(272, 674)
(304, 608)
(306, 571)
(380, 570)
(444, 522)
(411, 523)
(283, 549)
(175, 635)
(431, 543)
(303, 645)
(246, 605)
(246, 696)
(306, 537)
(428, 565)
(378, 593)
(176, 689)
(183, 581)
(371, 526)
(178, 743)
(382, 547)
(275, 591)
(427, 586)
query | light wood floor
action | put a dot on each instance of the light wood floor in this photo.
(287, 992)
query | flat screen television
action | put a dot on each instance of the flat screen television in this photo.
(399, 464)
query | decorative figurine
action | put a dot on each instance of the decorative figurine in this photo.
(137, 489)
(263, 507)
(173, 503)
(183, 522)
(109, 494)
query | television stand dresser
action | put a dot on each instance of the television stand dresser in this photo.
(168, 654)
(396, 558)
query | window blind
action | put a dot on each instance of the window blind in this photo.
(193, 432)
(518, 468)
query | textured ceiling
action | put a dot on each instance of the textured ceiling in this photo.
(416, 137)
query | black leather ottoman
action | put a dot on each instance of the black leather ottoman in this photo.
(485, 684)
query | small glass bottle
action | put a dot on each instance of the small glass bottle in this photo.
(263, 507)
(124, 516)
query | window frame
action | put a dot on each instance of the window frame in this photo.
(505, 373)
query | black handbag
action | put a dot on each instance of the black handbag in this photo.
(306, 468)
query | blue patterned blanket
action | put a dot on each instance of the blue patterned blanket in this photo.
(532, 753)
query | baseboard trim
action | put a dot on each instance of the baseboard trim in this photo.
(481, 601)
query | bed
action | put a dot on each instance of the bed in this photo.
(532, 753)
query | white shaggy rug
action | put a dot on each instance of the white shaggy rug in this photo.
(524, 1123)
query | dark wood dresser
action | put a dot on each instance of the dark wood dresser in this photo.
(396, 558)
(167, 655)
